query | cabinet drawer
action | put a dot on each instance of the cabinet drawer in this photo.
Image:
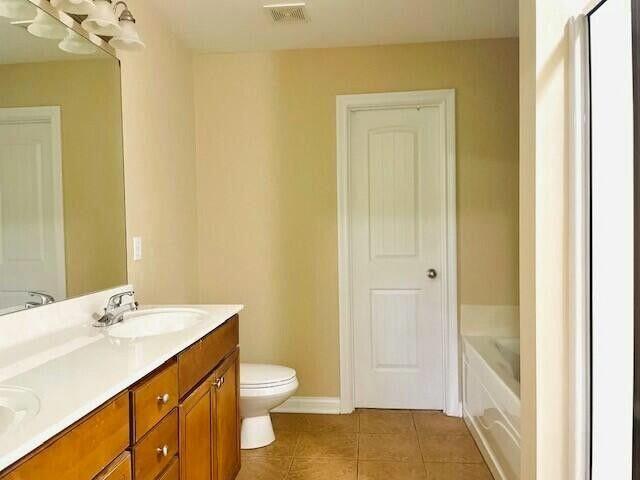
(199, 359)
(154, 452)
(120, 469)
(82, 451)
(172, 472)
(152, 399)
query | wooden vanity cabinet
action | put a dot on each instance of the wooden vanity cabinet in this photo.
(210, 425)
(180, 422)
(205, 377)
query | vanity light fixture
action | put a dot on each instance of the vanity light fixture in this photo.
(128, 38)
(77, 7)
(102, 20)
(17, 9)
(45, 26)
(74, 43)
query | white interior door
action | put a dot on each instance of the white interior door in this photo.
(397, 157)
(31, 228)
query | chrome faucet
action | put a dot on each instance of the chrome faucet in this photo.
(41, 299)
(115, 309)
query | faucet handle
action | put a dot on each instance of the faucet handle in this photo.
(115, 301)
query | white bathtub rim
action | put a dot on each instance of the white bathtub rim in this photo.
(486, 364)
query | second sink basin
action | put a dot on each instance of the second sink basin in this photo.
(16, 406)
(157, 321)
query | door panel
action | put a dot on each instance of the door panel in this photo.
(227, 418)
(196, 434)
(392, 193)
(396, 201)
(394, 318)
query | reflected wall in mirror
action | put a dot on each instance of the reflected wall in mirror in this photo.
(62, 217)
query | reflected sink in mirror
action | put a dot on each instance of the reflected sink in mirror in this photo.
(17, 405)
(159, 321)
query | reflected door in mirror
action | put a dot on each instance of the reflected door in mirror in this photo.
(31, 223)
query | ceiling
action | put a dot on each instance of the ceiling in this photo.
(243, 25)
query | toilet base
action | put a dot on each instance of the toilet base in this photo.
(256, 432)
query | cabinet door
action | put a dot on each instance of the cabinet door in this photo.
(196, 434)
(226, 408)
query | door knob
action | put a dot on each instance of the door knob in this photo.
(432, 273)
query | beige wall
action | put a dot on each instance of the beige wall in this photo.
(265, 136)
(159, 145)
(92, 169)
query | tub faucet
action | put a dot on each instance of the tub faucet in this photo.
(115, 309)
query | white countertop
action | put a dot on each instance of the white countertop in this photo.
(75, 370)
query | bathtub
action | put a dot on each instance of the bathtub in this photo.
(491, 400)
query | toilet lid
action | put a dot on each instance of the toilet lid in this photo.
(255, 375)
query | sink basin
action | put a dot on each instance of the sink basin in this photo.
(16, 405)
(158, 321)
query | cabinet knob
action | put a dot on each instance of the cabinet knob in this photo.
(219, 382)
(164, 399)
(164, 450)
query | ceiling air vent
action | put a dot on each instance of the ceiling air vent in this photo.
(287, 12)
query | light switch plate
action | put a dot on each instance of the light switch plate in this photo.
(137, 249)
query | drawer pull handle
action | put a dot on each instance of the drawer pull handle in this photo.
(164, 399)
(164, 451)
(219, 382)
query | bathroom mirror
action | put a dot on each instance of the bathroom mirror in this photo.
(62, 216)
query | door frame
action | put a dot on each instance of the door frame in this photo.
(50, 116)
(345, 106)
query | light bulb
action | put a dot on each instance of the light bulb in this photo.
(74, 43)
(102, 20)
(77, 7)
(45, 26)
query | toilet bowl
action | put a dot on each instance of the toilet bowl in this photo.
(262, 388)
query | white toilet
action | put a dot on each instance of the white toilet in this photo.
(262, 388)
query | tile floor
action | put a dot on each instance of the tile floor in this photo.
(367, 445)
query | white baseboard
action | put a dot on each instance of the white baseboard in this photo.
(326, 405)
